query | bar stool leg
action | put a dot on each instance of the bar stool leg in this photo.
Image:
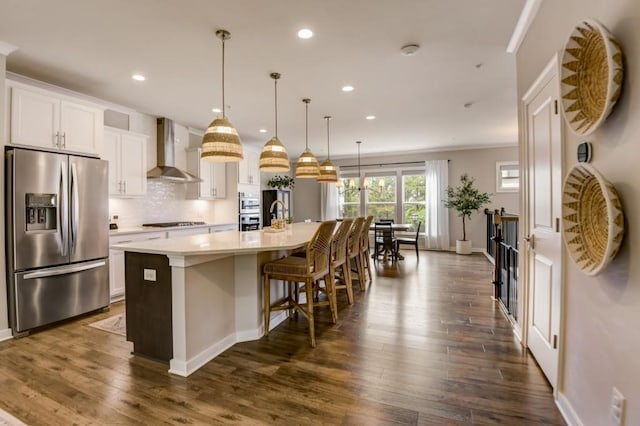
(309, 293)
(346, 272)
(267, 303)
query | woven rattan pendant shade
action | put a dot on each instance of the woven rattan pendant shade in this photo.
(221, 142)
(274, 157)
(328, 171)
(307, 165)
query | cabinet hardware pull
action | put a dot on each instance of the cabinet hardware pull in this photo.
(64, 139)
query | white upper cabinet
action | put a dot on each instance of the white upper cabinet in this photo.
(213, 175)
(248, 169)
(127, 156)
(47, 120)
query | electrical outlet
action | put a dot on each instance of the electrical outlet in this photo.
(149, 274)
(617, 407)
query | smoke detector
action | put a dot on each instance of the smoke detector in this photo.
(409, 49)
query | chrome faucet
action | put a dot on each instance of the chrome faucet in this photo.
(273, 205)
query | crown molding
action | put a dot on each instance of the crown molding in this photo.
(529, 12)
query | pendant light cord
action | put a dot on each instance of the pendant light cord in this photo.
(275, 85)
(306, 126)
(328, 152)
(223, 104)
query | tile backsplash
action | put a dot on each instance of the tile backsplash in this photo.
(165, 202)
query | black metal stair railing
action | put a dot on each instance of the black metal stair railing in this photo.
(502, 246)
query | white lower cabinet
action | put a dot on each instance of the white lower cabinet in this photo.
(116, 260)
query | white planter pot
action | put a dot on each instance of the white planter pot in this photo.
(463, 246)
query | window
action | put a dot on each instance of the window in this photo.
(349, 197)
(507, 176)
(413, 198)
(381, 197)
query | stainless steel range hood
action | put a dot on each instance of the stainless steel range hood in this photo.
(166, 169)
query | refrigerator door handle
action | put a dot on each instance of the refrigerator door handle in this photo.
(64, 270)
(62, 209)
(75, 208)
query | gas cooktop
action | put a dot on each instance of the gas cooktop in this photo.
(171, 224)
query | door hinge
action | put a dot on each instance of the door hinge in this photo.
(555, 106)
(555, 341)
(557, 224)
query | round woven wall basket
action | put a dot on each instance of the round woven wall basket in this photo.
(592, 219)
(591, 76)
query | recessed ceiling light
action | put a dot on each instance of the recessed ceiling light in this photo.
(263, 130)
(216, 110)
(138, 77)
(370, 117)
(305, 33)
(347, 89)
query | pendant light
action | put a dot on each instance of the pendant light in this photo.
(221, 142)
(307, 165)
(328, 172)
(273, 157)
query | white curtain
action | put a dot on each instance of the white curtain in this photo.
(328, 201)
(437, 216)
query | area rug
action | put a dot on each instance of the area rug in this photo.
(116, 324)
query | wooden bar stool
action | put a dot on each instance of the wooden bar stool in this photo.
(307, 271)
(364, 247)
(353, 250)
(339, 258)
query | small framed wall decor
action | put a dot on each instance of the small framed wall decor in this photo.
(507, 176)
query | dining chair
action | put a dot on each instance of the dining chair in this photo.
(365, 251)
(410, 241)
(307, 271)
(385, 242)
(339, 259)
(353, 250)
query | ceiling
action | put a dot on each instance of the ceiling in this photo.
(419, 100)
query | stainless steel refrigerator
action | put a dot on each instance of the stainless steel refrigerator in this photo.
(57, 236)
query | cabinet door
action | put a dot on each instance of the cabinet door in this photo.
(206, 174)
(254, 167)
(35, 118)
(133, 164)
(219, 179)
(116, 274)
(243, 169)
(81, 127)
(112, 155)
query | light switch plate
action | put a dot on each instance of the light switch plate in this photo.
(150, 275)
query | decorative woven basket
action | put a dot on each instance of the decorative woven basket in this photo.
(593, 221)
(591, 75)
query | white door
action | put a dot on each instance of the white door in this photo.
(219, 172)
(112, 155)
(133, 164)
(81, 127)
(543, 144)
(35, 119)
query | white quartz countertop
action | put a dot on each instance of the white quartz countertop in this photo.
(143, 229)
(228, 242)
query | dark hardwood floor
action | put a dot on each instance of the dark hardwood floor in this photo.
(424, 345)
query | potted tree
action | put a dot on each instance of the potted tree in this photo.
(465, 199)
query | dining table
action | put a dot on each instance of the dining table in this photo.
(394, 227)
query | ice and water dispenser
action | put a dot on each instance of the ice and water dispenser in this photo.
(41, 212)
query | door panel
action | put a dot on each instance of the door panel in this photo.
(112, 155)
(133, 163)
(81, 128)
(89, 209)
(39, 240)
(544, 250)
(53, 295)
(35, 118)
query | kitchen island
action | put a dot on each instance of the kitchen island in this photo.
(215, 289)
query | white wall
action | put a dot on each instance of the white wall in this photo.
(602, 332)
(478, 163)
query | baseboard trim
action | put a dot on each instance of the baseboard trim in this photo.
(184, 369)
(567, 411)
(5, 334)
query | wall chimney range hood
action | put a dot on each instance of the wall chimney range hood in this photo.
(166, 170)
